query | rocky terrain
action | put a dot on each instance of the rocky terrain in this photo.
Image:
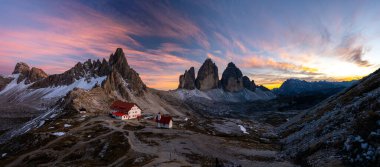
(4, 81)
(62, 120)
(342, 130)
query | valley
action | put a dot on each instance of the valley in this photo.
(64, 119)
(99, 139)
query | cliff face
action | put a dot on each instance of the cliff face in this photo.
(232, 78)
(187, 80)
(119, 63)
(208, 77)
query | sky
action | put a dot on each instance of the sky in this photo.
(270, 41)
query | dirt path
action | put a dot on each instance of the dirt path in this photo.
(170, 147)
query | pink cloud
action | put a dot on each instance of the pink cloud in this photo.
(83, 30)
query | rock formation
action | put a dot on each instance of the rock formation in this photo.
(187, 80)
(115, 82)
(22, 69)
(68, 77)
(27, 74)
(232, 78)
(248, 84)
(208, 77)
(104, 68)
(35, 74)
(119, 63)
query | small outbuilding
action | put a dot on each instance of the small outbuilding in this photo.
(124, 110)
(164, 121)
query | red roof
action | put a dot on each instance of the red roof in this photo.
(165, 119)
(120, 105)
(119, 114)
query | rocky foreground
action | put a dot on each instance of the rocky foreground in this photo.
(87, 139)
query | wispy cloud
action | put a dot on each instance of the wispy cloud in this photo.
(79, 32)
(351, 49)
(260, 62)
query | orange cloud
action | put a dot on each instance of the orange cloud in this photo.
(164, 82)
(258, 62)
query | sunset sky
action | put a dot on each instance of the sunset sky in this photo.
(269, 41)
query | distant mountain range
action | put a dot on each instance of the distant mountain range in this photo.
(343, 130)
(295, 87)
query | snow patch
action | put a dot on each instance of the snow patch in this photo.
(242, 128)
(67, 125)
(58, 133)
(41, 123)
(63, 90)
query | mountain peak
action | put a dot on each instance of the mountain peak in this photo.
(231, 65)
(187, 80)
(118, 58)
(88, 69)
(31, 75)
(208, 77)
(118, 62)
(21, 68)
(232, 78)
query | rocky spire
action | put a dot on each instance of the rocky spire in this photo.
(248, 84)
(119, 63)
(208, 77)
(104, 68)
(187, 80)
(232, 78)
